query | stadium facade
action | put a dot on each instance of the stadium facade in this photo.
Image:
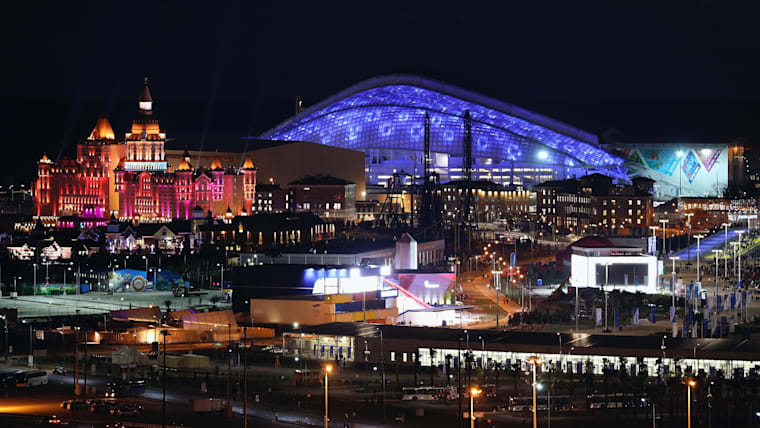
(384, 117)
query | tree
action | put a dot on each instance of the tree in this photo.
(215, 300)
(432, 364)
(515, 374)
(168, 304)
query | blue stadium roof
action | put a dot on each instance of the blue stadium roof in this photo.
(388, 113)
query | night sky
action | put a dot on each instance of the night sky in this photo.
(219, 71)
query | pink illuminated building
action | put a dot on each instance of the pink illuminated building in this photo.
(132, 180)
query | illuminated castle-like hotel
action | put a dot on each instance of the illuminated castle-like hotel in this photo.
(132, 180)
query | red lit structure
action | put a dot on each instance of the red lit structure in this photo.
(131, 179)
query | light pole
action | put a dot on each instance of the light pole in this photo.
(673, 281)
(245, 375)
(34, 276)
(725, 257)
(740, 232)
(698, 252)
(688, 243)
(688, 401)
(654, 236)
(534, 361)
(163, 378)
(663, 222)
(328, 370)
(716, 254)
(606, 293)
(473, 393)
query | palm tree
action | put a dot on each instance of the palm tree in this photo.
(168, 304)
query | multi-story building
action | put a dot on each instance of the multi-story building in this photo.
(564, 204)
(594, 204)
(619, 209)
(271, 198)
(490, 201)
(326, 196)
(132, 179)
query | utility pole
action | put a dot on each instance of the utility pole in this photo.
(245, 376)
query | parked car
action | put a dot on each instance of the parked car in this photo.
(60, 370)
(54, 420)
(75, 405)
(101, 406)
(126, 410)
(273, 349)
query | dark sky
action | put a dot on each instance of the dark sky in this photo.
(217, 70)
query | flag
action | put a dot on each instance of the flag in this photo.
(617, 317)
(744, 299)
(688, 292)
(714, 329)
(685, 331)
(635, 316)
(733, 301)
(691, 315)
(598, 316)
(719, 304)
(654, 314)
(672, 314)
(704, 328)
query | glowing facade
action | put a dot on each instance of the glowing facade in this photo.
(131, 179)
(384, 118)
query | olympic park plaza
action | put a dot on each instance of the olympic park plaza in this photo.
(385, 118)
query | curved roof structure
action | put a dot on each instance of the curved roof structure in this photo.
(388, 113)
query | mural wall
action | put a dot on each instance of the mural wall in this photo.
(685, 170)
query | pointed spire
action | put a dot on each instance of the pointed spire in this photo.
(248, 163)
(146, 101)
(146, 92)
(102, 130)
(216, 164)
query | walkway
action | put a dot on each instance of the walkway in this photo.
(708, 244)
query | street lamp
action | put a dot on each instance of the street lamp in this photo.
(716, 253)
(698, 252)
(688, 400)
(534, 361)
(725, 258)
(673, 280)
(328, 370)
(663, 222)
(654, 231)
(606, 293)
(163, 375)
(473, 393)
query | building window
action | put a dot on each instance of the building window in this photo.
(393, 356)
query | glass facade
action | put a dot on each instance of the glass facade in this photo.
(385, 118)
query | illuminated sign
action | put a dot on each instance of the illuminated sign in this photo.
(145, 166)
(431, 284)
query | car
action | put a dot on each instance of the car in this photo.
(127, 410)
(273, 349)
(74, 405)
(60, 370)
(101, 406)
(54, 420)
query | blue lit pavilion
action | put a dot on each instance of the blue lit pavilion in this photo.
(384, 118)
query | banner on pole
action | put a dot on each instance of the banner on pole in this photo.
(598, 316)
(635, 316)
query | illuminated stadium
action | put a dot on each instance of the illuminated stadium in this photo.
(384, 118)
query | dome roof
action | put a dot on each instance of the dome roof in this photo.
(102, 130)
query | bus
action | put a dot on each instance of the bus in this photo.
(423, 393)
(27, 379)
(520, 404)
(125, 389)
